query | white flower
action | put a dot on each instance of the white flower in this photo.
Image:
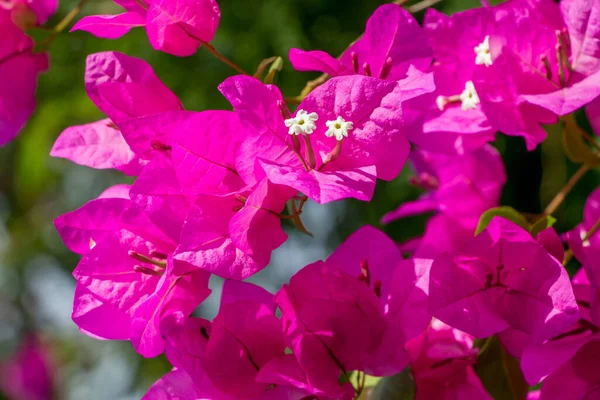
(483, 53)
(338, 128)
(302, 123)
(469, 97)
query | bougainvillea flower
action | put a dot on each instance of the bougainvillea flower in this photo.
(355, 310)
(392, 42)
(402, 286)
(232, 220)
(565, 362)
(19, 66)
(124, 88)
(540, 360)
(358, 134)
(29, 373)
(577, 379)
(498, 52)
(591, 216)
(442, 360)
(580, 60)
(463, 186)
(508, 283)
(174, 26)
(126, 274)
(224, 357)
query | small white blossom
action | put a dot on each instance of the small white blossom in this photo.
(302, 123)
(338, 128)
(469, 97)
(483, 53)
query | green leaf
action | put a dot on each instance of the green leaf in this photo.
(400, 386)
(500, 372)
(575, 145)
(542, 224)
(506, 212)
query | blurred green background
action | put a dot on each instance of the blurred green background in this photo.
(35, 284)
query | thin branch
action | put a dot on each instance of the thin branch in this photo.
(562, 194)
(420, 6)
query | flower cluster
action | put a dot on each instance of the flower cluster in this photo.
(212, 188)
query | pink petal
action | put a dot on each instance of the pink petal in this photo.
(378, 135)
(234, 291)
(175, 385)
(464, 306)
(125, 87)
(327, 186)
(238, 338)
(566, 100)
(110, 26)
(205, 162)
(205, 241)
(93, 314)
(552, 243)
(157, 192)
(316, 60)
(180, 294)
(373, 246)
(179, 27)
(18, 80)
(423, 205)
(539, 361)
(583, 21)
(107, 272)
(257, 107)
(391, 32)
(81, 229)
(96, 145)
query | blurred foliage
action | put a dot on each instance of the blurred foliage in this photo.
(35, 188)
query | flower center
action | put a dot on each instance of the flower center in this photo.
(303, 123)
(469, 98)
(338, 128)
(155, 263)
(482, 51)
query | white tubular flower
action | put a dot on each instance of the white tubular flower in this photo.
(469, 97)
(483, 53)
(303, 123)
(338, 128)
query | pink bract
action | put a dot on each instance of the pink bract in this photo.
(124, 88)
(442, 360)
(329, 169)
(497, 294)
(175, 27)
(19, 66)
(392, 36)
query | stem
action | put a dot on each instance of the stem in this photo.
(569, 253)
(61, 25)
(421, 6)
(69, 17)
(590, 139)
(562, 194)
(224, 59)
(486, 344)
